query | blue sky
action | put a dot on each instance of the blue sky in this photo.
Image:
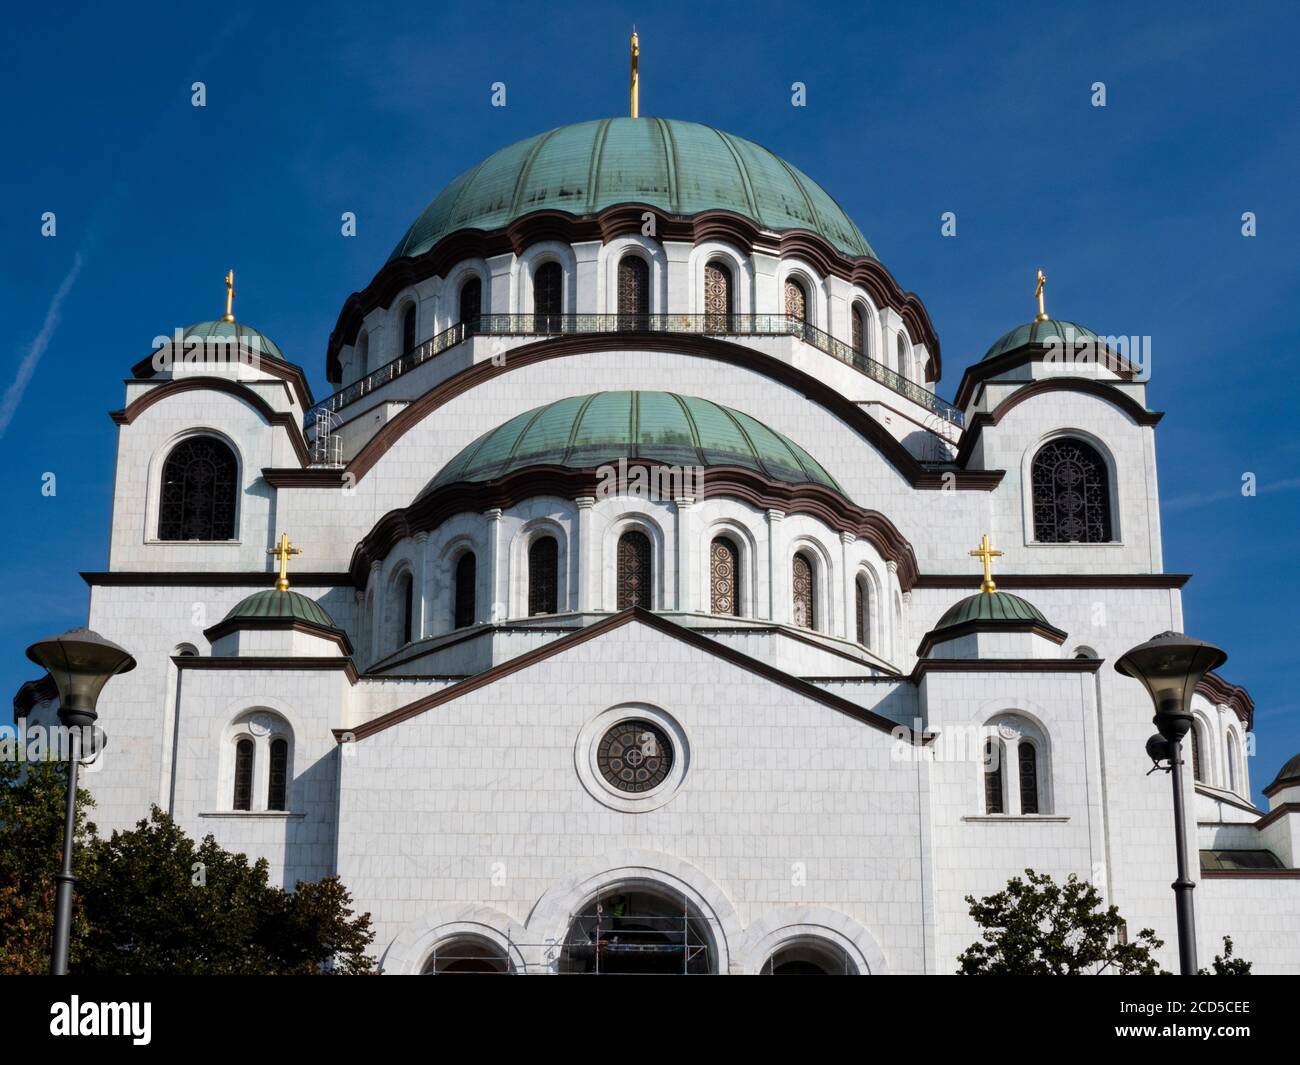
(1134, 211)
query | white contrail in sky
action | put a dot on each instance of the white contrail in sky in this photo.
(14, 394)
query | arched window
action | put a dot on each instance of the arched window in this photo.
(243, 797)
(858, 322)
(1193, 735)
(1232, 762)
(633, 292)
(993, 801)
(796, 299)
(717, 298)
(467, 956)
(278, 781)
(1071, 494)
(471, 302)
(1028, 755)
(199, 491)
(408, 328)
(635, 571)
(724, 576)
(463, 596)
(543, 576)
(406, 588)
(862, 611)
(804, 594)
(900, 352)
(548, 298)
(363, 355)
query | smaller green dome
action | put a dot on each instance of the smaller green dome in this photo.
(271, 603)
(1053, 330)
(1287, 775)
(233, 332)
(991, 607)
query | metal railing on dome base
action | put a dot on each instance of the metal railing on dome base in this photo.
(715, 325)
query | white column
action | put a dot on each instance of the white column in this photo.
(585, 556)
(778, 608)
(588, 296)
(848, 582)
(895, 623)
(496, 568)
(687, 577)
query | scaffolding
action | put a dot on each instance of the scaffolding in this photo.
(326, 446)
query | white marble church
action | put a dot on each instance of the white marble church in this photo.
(633, 622)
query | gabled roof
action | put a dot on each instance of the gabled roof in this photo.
(609, 624)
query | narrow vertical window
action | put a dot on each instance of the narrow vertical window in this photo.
(278, 784)
(717, 298)
(408, 329)
(1232, 762)
(635, 571)
(363, 355)
(633, 293)
(471, 303)
(543, 576)
(243, 797)
(408, 608)
(804, 597)
(548, 294)
(900, 351)
(862, 611)
(1193, 734)
(859, 327)
(724, 577)
(466, 577)
(199, 491)
(1028, 778)
(993, 776)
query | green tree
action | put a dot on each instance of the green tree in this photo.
(1036, 927)
(152, 900)
(1226, 965)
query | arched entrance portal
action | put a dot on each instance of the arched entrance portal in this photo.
(467, 955)
(809, 957)
(639, 930)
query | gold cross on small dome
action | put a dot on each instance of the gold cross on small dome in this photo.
(1038, 291)
(282, 552)
(230, 296)
(986, 554)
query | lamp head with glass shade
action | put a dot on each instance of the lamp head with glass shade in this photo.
(1170, 666)
(80, 663)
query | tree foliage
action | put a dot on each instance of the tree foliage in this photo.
(1036, 927)
(152, 900)
(1225, 964)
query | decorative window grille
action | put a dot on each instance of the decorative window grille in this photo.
(543, 576)
(724, 577)
(1071, 494)
(717, 298)
(243, 797)
(199, 491)
(635, 571)
(633, 292)
(278, 785)
(804, 606)
(796, 300)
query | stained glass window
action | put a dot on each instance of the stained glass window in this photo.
(717, 297)
(633, 292)
(198, 491)
(279, 779)
(724, 577)
(1028, 778)
(471, 302)
(1071, 494)
(804, 599)
(993, 776)
(548, 297)
(408, 328)
(466, 576)
(635, 571)
(635, 756)
(243, 798)
(796, 299)
(543, 567)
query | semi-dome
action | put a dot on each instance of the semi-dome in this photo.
(583, 432)
(1041, 331)
(273, 604)
(235, 332)
(683, 168)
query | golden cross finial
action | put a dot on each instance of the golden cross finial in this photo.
(635, 86)
(230, 296)
(282, 552)
(986, 554)
(1038, 291)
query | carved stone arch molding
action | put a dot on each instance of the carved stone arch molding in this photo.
(777, 927)
(411, 947)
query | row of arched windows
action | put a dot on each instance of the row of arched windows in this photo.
(1014, 769)
(1233, 775)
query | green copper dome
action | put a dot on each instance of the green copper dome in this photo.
(231, 332)
(583, 432)
(1054, 330)
(991, 607)
(270, 603)
(682, 168)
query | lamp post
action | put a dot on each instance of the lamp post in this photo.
(1170, 666)
(80, 663)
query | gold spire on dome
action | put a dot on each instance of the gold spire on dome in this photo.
(1038, 291)
(986, 554)
(635, 85)
(282, 552)
(230, 297)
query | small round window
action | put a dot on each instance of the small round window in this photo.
(635, 756)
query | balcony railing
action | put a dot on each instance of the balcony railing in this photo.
(720, 325)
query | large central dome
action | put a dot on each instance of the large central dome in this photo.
(683, 168)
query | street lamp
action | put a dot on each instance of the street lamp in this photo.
(80, 663)
(1170, 666)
